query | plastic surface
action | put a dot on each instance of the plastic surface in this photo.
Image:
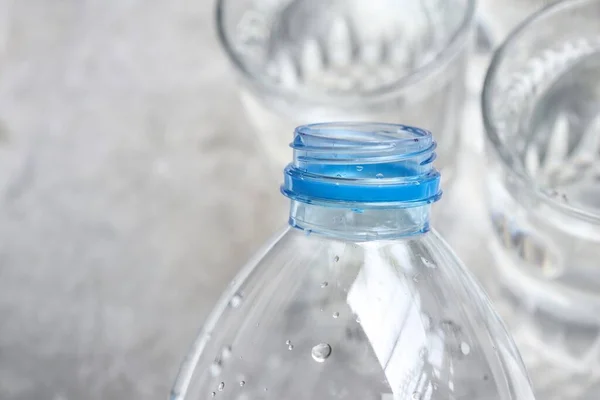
(337, 312)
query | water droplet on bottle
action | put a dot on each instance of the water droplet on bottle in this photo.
(321, 352)
(242, 383)
(449, 326)
(216, 367)
(379, 176)
(336, 258)
(427, 322)
(235, 301)
(288, 342)
(213, 394)
(428, 263)
(226, 353)
(358, 320)
(324, 284)
(359, 168)
(336, 314)
(266, 389)
(221, 386)
(416, 396)
(291, 347)
(416, 277)
(465, 348)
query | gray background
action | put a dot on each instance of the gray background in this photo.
(130, 192)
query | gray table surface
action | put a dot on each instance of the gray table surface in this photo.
(131, 190)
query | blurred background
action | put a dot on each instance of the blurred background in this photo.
(131, 191)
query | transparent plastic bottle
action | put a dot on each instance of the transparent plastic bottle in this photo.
(358, 298)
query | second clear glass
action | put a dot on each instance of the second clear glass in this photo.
(541, 106)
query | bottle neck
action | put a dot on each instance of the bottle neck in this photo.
(358, 224)
(362, 181)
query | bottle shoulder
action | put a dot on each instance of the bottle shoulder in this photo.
(314, 316)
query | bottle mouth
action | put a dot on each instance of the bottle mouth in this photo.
(371, 164)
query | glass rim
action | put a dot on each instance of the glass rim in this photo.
(490, 127)
(457, 40)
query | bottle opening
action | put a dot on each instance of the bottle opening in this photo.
(374, 164)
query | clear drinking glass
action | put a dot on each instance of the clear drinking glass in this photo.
(541, 108)
(358, 299)
(303, 61)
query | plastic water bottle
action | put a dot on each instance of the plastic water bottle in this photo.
(358, 298)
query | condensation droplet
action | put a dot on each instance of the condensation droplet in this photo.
(266, 389)
(427, 322)
(226, 353)
(358, 320)
(242, 383)
(291, 347)
(336, 258)
(428, 263)
(359, 168)
(235, 301)
(324, 284)
(416, 396)
(321, 352)
(449, 326)
(213, 394)
(288, 342)
(216, 368)
(379, 176)
(465, 348)
(336, 314)
(221, 386)
(416, 277)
